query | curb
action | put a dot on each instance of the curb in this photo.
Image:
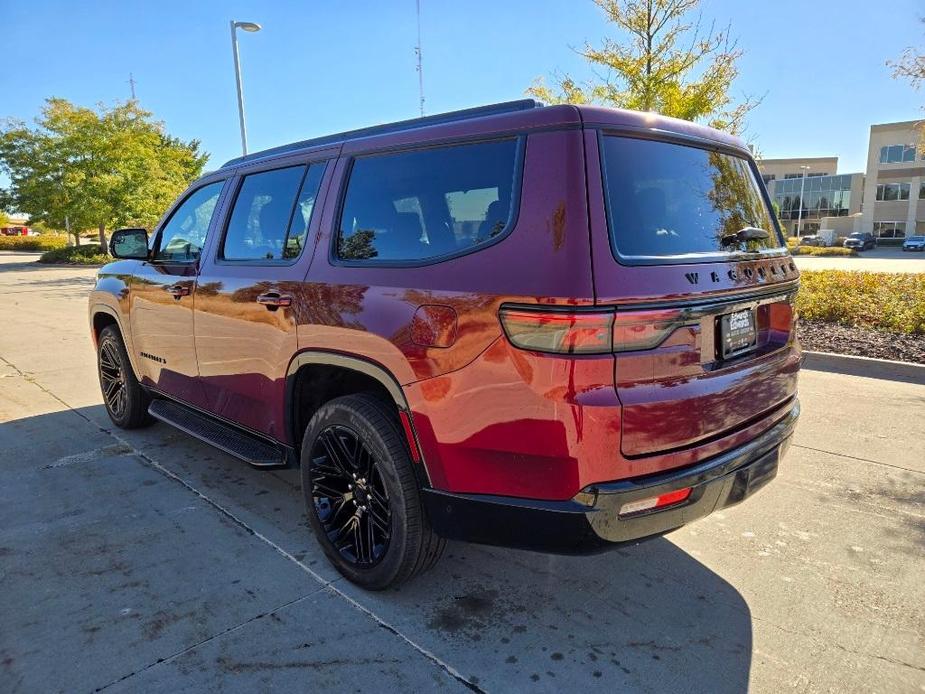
(865, 366)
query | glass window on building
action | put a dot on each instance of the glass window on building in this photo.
(893, 154)
(890, 230)
(893, 191)
(922, 191)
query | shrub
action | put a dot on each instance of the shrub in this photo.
(75, 255)
(793, 241)
(44, 242)
(822, 250)
(893, 302)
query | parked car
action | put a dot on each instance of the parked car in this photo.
(810, 240)
(558, 328)
(914, 243)
(18, 231)
(862, 241)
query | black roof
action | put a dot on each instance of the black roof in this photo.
(477, 112)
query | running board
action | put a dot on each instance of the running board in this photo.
(225, 437)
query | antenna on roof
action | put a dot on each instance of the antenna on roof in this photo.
(420, 68)
(131, 83)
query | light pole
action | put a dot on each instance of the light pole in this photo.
(246, 26)
(802, 185)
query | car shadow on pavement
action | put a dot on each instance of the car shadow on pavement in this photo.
(113, 563)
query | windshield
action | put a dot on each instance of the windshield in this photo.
(917, 238)
(666, 199)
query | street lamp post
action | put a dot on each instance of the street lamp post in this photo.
(246, 26)
(802, 186)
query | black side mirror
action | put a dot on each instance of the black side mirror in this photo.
(129, 244)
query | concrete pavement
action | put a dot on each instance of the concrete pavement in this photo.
(146, 561)
(875, 260)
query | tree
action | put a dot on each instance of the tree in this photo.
(669, 65)
(911, 67)
(86, 168)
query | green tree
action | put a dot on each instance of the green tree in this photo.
(95, 168)
(668, 64)
(911, 67)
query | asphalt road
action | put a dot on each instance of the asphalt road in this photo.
(875, 260)
(146, 561)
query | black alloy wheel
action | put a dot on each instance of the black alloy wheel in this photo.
(350, 497)
(125, 400)
(363, 493)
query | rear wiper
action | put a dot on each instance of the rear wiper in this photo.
(745, 234)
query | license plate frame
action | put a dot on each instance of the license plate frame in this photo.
(738, 332)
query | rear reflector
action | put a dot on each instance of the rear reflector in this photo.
(574, 332)
(653, 502)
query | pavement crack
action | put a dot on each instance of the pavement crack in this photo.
(223, 632)
(862, 460)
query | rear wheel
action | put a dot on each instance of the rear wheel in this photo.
(126, 401)
(362, 494)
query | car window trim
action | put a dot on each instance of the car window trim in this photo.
(688, 258)
(226, 222)
(158, 234)
(520, 140)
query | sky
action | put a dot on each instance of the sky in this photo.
(320, 67)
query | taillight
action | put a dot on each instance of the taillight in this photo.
(635, 330)
(573, 332)
(587, 332)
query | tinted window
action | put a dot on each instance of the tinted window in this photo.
(666, 199)
(271, 214)
(184, 234)
(417, 205)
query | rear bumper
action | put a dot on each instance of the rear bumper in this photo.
(591, 521)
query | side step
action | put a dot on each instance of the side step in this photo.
(225, 437)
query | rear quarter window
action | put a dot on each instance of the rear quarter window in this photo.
(424, 205)
(668, 200)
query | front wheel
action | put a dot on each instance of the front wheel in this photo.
(126, 401)
(362, 495)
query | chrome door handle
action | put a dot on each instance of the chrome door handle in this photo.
(177, 290)
(273, 300)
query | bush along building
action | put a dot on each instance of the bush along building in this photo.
(885, 200)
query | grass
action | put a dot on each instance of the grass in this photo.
(839, 251)
(75, 255)
(43, 242)
(890, 302)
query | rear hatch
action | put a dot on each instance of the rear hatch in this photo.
(686, 249)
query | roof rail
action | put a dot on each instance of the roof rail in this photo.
(410, 124)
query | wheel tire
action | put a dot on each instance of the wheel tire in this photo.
(411, 546)
(117, 377)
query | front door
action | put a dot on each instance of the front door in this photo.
(162, 298)
(248, 291)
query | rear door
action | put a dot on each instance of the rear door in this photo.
(249, 289)
(685, 247)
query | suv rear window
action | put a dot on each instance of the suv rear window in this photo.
(425, 204)
(666, 199)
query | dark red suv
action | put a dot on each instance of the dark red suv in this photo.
(557, 328)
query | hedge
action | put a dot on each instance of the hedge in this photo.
(88, 254)
(823, 250)
(892, 302)
(43, 242)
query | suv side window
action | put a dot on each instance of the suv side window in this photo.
(271, 214)
(421, 205)
(183, 236)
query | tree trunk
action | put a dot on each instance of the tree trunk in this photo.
(104, 247)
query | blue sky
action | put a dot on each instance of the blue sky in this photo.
(319, 67)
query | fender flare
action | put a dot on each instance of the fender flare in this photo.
(98, 308)
(353, 363)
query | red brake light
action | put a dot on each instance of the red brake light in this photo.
(572, 332)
